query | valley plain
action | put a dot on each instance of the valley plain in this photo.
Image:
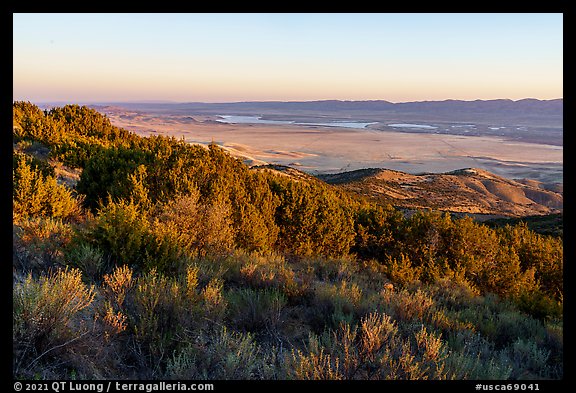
(438, 142)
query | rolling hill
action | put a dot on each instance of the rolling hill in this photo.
(467, 190)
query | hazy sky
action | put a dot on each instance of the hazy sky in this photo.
(80, 58)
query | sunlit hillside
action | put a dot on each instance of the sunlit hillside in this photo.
(151, 258)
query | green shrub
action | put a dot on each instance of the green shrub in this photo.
(453, 294)
(122, 231)
(373, 350)
(313, 219)
(554, 341)
(314, 364)
(88, 258)
(466, 366)
(401, 270)
(419, 356)
(222, 355)
(475, 357)
(213, 301)
(112, 173)
(35, 194)
(375, 330)
(530, 361)
(543, 253)
(29, 152)
(333, 304)
(38, 243)
(160, 309)
(255, 310)
(539, 305)
(159, 303)
(375, 228)
(197, 227)
(268, 271)
(334, 269)
(511, 325)
(406, 306)
(117, 284)
(43, 311)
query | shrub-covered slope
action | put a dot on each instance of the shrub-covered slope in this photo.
(169, 260)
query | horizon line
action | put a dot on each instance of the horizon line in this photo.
(84, 102)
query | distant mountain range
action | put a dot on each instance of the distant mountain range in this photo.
(526, 112)
(528, 105)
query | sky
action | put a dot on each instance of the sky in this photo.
(201, 57)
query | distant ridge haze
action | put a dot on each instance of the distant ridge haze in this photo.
(337, 104)
(526, 112)
(527, 105)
